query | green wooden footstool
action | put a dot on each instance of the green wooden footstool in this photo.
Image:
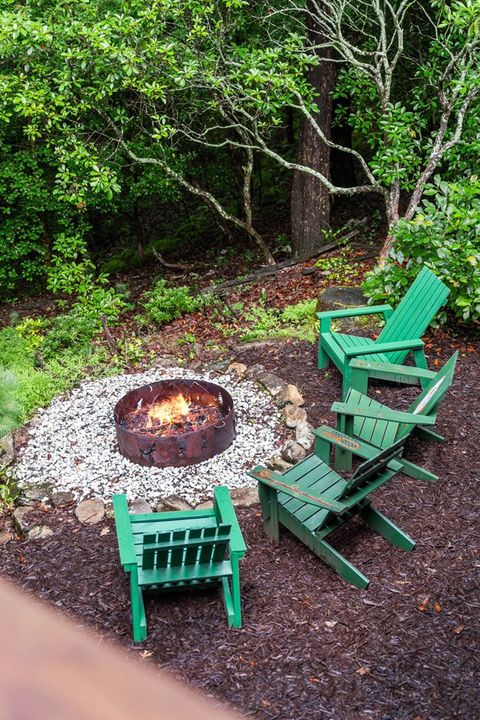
(171, 550)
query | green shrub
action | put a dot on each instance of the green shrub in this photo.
(163, 304)
(71, 330)
(444, 236)
(297, 320)
(73, 273)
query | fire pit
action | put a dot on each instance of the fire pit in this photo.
(174, 422)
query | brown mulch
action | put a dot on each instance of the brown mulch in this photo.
(312, 646)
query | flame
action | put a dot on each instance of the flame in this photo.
(168, 411)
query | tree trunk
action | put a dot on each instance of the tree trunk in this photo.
(310, 200)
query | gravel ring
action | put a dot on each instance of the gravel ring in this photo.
(73, 445)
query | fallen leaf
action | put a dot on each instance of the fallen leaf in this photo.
(363, 671)
(146, 653)
(423, 607)
(436, 362)
(459, 629)
(104, 531)
(437, 607)
(331, 623)
(314, 679)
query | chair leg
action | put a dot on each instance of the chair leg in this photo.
(426, 434)
(359, 380)
(269, 503)
(421, 362)
(323, 359)
(416, 472)
(340, 564)
(236, 597)
(387, 528)
(139, 621)
(347, 380)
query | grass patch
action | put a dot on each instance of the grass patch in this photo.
(297, 321)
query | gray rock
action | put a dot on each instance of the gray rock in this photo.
(20, 518)
(5, 536)
(304, 435)
(278, 463)
(290, 395)
(239, 369)
(294, 415)
(35, 493)
(165, 361)
(342, 298)
(217, 366)
(244, 497)
(254, 371)
(205, 505)
(292, 452)
(272, 383)
(39, 532)
(7, 450)
(173, 503)
(90, 512)
(140, 506)
(62, 499)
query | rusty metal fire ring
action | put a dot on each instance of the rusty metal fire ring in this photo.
(184, 448)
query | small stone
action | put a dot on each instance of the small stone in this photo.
(5, 536)
(173, 503)
(239, 369)
(292, 452)
(290, 395)
(140, 506)
(20, 519)
(205, 505)
(254, 371)
(7, 450)
(309, 270)
(217, 366)
(304, 435)
(274, 384)
(62, 499)
(39, 532)
(294, 415)
(90, 512)
(165, 361)
(278, 463)
(244, 497)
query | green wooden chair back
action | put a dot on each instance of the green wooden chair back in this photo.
(371, 468)
(415, 312)
(189, 546)
(382, 433)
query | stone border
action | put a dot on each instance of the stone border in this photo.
(91, 511)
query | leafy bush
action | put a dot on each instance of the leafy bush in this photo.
(163, 304)
(72, 330)
(293, 321)
(444, 235)
(73, 273)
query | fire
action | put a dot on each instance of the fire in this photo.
(169, 411)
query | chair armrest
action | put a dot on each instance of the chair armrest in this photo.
(277, 482)
(226, 511)
(391, 368)
(339, 439)
(383, 413)
(354, 312)
(377, 347)
(126, 546)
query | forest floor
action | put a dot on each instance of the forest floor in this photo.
(311, 646)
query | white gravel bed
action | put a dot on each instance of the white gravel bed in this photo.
(73, 444)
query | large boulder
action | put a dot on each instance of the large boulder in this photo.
(344, 298)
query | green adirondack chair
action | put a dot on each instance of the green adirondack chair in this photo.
(172, 550)
(401, 334)
(363, 418)
(312, 500)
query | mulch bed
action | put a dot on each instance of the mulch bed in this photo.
(312, 646)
